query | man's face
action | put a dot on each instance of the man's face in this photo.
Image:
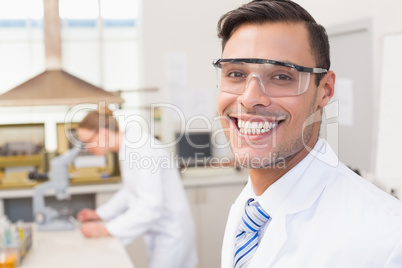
(286, 42)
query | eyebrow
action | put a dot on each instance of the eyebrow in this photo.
(275, 62)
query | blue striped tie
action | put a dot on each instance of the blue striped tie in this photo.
(246, 243)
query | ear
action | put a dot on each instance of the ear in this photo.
(326, 89)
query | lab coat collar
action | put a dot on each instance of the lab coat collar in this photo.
(290, 190)
(320, 170)
(305, 182)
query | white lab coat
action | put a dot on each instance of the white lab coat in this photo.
(323, 215)
(151, 202)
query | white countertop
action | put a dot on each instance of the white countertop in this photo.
(213, 176)
(192, 177)
(66, 249)
(76, 189)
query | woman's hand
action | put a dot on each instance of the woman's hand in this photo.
(94, 229)
(87, 215)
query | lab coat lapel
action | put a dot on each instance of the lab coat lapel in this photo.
(230, 234)
(305, 193)
(274, 238)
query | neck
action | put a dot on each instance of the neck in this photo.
(263, 178)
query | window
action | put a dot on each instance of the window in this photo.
(21, 41)
(100, 42)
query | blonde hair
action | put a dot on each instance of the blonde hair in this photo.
(101, 118)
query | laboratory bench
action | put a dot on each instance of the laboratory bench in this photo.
(210, 193)
(66, 249)
(191, 178)
(97, 189)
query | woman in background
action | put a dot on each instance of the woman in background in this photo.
(151, 201)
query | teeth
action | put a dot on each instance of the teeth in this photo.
(247, 127)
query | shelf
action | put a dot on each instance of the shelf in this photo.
(20, 160)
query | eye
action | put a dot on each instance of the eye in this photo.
(282, 77)
(236, 75)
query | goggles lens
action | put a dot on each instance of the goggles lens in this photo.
(275, 79)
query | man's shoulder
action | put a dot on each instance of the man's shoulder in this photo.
(341, 181)
(358, 194)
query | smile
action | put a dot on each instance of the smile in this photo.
(255, 127)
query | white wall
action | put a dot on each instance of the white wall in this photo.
(386, 21)
(181, 26)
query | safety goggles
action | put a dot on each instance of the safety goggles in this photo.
(275, 78)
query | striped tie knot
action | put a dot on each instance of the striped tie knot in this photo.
(253, 219)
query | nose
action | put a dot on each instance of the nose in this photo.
(254, 93)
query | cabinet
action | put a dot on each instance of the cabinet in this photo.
(210, 205)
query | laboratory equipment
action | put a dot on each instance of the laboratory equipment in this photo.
(48, 218)
(15, 241)
(21, 151)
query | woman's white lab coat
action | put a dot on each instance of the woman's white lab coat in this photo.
(151, 202)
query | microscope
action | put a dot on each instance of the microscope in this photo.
(48, 218)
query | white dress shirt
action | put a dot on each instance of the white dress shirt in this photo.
(151, 202)
(323, 215)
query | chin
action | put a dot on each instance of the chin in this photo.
(255, 158)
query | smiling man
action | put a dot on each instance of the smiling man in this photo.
(301, 207)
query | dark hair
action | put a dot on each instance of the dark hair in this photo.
(101, 118)
(263, 11)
